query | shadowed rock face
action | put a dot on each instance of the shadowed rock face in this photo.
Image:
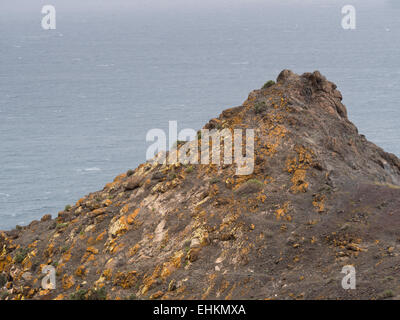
(321, 197)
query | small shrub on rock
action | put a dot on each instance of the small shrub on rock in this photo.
(268, 84)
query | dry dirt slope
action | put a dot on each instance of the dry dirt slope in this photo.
(321, 197)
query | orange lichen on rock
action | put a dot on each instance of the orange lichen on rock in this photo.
(92, 250)
(298, 180)
(125, 280)
(281, 212)
(133, 250)
(130, 219)
(156, 295)
(5, 261)
(174, 263)
(81, 271)
(118, 227)
(67, 282)
(101, 236)
(298, 167)
(319, 203)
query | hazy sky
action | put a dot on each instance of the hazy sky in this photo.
(109, 5)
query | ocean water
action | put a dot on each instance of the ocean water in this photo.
(76, 102)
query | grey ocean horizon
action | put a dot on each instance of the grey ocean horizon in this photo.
(76, 102)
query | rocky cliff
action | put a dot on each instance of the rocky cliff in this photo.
(321, 197)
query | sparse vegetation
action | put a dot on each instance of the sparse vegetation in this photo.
(61, 225)
(97, 294)
(67, 207)
(21, 254)
(255, 181)
(79, 295)
(3, 280)
(4, 295)
(259, 107)
(268, 84)
(214, 180)
(189, 169)
(64, 249)
(130, 172)
(171, 176)
(387, 294)
(132, 297)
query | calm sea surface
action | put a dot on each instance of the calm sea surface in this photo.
(76, 102)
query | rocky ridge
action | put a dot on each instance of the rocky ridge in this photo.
(321, 197)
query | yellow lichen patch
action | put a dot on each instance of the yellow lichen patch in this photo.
(117, 248)
(124, 209)
(156, 295)
(27, 263)
(91, 258)
(201, 234)
(298, 166)
(107, 274)
(80, 201)
(149, 280)
(224, 285)
(59, 268)
(44, 292)
(313, 240)
(101, 236)
(5, 261)
(118, 227)
(298, 180)
(173, 264)
(130, 219)
(229, 295)
(281, 212)
(107, 202)
(92, 250)
(67, 282)
(67, 256)
(207, 291)
(81, 271)
(261, 197)
(120, 177)
(133, 250)
(33, 244)
(125, 280)
(319, 203)
(97, 212)
(49, 251)
(117, 181)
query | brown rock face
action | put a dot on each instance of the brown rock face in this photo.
(321, 197)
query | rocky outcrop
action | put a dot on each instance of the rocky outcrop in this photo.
(321, 197)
